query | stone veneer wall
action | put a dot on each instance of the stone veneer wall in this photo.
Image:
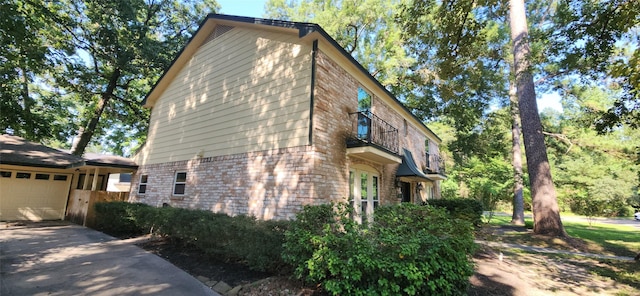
(271, 184)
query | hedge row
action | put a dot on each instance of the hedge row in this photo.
(461, 208)
(258, 243)
(407, 249)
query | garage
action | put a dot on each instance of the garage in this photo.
(37, 181)
(33, 195)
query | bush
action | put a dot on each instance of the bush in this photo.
(409, 249)
(462, 208)
(121, 219)
(240, 238)
(259, 243)
(626, 211)
(305, 234)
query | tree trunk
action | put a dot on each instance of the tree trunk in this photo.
(518, 201)
(85, 134)
(27, 105)
(546, 214)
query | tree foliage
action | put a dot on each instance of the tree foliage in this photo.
(595, 173)
(365, 28)
(83, 67)
(27, 59)
(460, 70)
(115, 63)
(595, 42)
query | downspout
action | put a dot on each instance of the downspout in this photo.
(314, 53)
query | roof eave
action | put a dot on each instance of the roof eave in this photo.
(38, 165)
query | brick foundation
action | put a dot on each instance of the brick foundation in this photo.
(271, 184)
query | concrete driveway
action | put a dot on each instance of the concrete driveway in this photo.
(59, 258)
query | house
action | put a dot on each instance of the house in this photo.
(261, 117)
(42, 183)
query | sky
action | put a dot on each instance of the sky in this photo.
(255, 8)
(251, 8)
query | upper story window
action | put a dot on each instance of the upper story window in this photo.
(427, 149)
(364, 100)
(426, 146)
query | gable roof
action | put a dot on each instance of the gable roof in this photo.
(18, 151)
(303, 29)
(15, 150)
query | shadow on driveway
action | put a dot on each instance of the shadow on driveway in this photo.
(60, 258)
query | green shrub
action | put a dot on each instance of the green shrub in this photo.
(301, 240)
(239, 238)
(409, 249)
(259, 244)
(461, 208)
(626, 211)
(121, 219)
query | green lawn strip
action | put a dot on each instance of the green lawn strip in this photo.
(618, 240)
(606, 239)
(624, 272)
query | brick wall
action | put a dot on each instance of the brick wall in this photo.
(336, 95)
(272, 184)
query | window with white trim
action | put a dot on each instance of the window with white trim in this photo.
(142, 185)
(364, 193)
(180, 183)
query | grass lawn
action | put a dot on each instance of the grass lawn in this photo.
(600, 238)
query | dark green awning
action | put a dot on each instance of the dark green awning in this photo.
(408, 168)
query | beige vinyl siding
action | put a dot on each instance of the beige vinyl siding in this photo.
(246, 90)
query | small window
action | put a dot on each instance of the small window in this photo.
(42, 176)
(124, 178)
(23, 175)
(142, 186)
(180, 183)
(406, 128)
(5, 174)
(59, 177)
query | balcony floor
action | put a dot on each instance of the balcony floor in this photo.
(374, 154)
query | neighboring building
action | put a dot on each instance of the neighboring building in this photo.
(262, 117)
(36, 181)
(119, 182)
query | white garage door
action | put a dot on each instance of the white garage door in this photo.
(32, 195)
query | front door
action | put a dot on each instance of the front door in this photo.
(405, 187)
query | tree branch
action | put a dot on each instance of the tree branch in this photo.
(562, 138)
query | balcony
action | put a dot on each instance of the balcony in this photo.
(372, 138)
(435, 168)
